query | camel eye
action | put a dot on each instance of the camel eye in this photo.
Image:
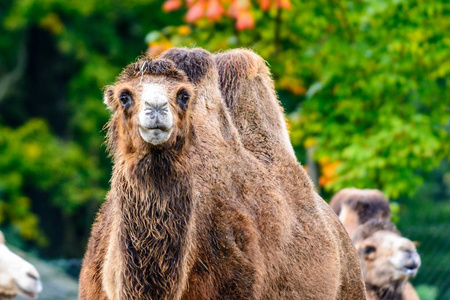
(369, 249)
(183, 99)
(126, 100)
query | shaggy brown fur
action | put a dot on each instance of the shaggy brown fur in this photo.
(199, 217)
(379, 244)
(134, 249)
(357, 206)
(248, 90)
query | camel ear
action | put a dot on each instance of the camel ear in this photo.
(108, 98)
(194, 62)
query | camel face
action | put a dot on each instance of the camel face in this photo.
(151, 101)
(155, 117)
(154, 107)
(17, 276)
(387, 257)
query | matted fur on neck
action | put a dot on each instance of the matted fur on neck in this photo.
(155, 201)
(391, 292)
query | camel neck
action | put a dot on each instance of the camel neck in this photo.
(155, 206)
(392, 292)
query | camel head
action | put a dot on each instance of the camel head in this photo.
(151, 101)
(17, 276)
(387, 258)
(357, 206)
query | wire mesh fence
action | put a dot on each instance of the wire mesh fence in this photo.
(433, 278)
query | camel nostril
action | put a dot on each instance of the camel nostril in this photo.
(33, 276)
(156, 106)
(413, 263)
(156, 114)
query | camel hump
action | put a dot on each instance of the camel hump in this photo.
(366, 203)
(237, 65)
(240, 64)
(194, 62)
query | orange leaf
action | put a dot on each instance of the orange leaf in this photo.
(214, 10)
(323, 181)
(330, 169)
(283, 4)
(265, 4)
(195, 12)
(184, 30)
(156, 48)
(244, 21)
(324, 161)
(286, 4)
(242, 4)
(298, 90)
(238, 7)
(233, 11)
(171, 5)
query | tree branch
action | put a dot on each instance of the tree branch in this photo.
(9, 80)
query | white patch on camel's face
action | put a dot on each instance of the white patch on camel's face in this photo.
(17, 276)
(405, 259)
(155, 116)
(396, 257)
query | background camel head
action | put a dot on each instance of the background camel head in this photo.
(17, 276)
(357, 206)
(386, 257)
(151, 100)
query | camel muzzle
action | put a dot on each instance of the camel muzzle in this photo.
(157, 118)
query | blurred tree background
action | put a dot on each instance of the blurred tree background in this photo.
(364, 84)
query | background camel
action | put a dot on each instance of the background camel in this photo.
(191, 214)
(248, 91)
(17, 276)
(388, 260)
(357, 207)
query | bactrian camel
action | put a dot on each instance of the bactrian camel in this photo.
(192, 214)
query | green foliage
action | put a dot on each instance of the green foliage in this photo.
(425, 219)
(369, 79)
(427, 292)
(382, 106)
(56, 57)
(365, 84)
(29, 161)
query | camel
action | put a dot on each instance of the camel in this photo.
(247, 87)
(17, 276)
(192, 214)
(388, 260)
(357, 206)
